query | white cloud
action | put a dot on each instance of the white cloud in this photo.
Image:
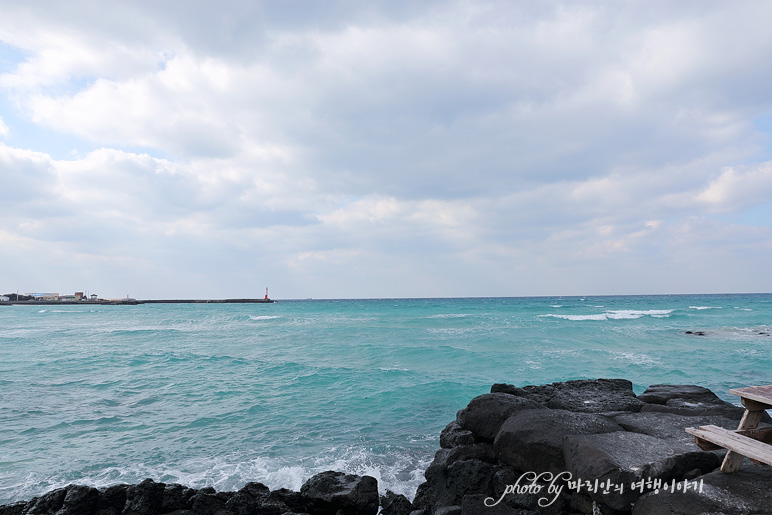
(738, 188)
(518, 148)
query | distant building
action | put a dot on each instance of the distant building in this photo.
(68, 298)
(44, 296)
(3, 298)
(94, 296)
(79, 295)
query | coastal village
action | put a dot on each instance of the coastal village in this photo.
(78, 296)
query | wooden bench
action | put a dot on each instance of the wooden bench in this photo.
(747, 440)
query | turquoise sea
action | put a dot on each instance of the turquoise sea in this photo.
(221, 394)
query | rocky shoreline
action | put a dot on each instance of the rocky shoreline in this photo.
(575, 447)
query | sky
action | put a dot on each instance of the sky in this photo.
(347, 149)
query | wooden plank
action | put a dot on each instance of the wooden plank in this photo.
(762, 394)
(706, 445)
(737, 444)
(762, 435)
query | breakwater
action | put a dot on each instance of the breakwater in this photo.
(131, 302)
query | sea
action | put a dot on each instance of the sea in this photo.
(222, 394)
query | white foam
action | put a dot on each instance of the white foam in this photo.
(636, 358)
(624, 314)
(601, 316)
(649, 312)
(400, 472)
(705, 307)
(264, 317)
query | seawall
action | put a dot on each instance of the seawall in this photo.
(131, 302)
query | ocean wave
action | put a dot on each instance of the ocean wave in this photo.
(624, 314)
(263, 317)
(397, 470)
(705, 307)
(601, 316)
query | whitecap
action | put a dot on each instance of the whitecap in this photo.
(601, 316)
(263, 317)
(632, 313)
(628, 314)
(704, 307)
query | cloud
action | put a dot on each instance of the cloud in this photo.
(508, 148)
(739, 188)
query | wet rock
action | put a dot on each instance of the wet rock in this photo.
(670, 426)
(745, 492)
(207, 503)
(689, 400)
(14, 509)
(595, 396)
(454, 435)
(485, 414)
(448, 510)
(329, 492)
(48, 503)
(283, 497)
(625, 458)
(176, 497)
(146, 498)
(112, 500)
(395, 504)
(532, 440)
(508, 388)
(475, 505)
(80, 500)
(252, 499)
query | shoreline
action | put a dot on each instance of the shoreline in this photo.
(497, 453)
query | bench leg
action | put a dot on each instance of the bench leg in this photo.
(733, 460)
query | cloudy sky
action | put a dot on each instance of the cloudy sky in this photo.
(385, 149)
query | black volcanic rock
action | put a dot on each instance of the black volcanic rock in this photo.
(395, 504)
(524, 443)
(455, 435)
(48, 503)
(688, 400)
(748, 491)
(334, 492)
(625, 458)
(484, 415)
(146, 498)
